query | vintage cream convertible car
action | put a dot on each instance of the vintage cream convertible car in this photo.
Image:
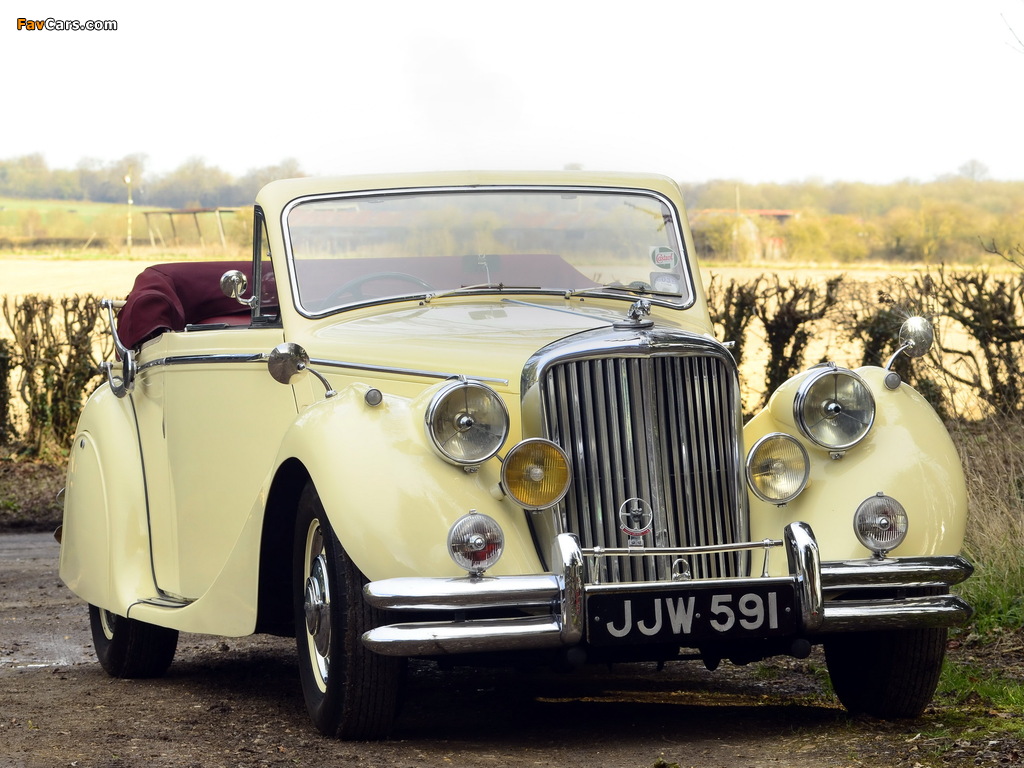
(484, 416)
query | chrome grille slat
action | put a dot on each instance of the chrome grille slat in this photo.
(661, 428)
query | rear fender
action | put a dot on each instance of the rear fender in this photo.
(104, 553)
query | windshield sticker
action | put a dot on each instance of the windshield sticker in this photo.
(664, 257)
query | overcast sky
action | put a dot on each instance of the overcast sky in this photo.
(871, 90)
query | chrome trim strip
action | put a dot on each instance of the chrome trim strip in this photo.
(640, 587)
(649, 552)
(903, 572)
(405, 371)
(260, 357)
(412, 593)
(481, 635)
(924, 611)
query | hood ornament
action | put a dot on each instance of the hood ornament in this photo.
(635, 316)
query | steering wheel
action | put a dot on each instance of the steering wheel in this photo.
(355, 286)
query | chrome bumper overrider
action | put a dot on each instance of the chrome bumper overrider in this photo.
(555, 601)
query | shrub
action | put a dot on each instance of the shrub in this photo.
(55, 348)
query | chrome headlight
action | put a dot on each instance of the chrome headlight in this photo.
(834, 408)
(535, 473)
(467, 422)
(475, 542)
(777, 468)
(880, 523)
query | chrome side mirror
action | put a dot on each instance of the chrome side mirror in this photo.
(123, 383)
(288, 363)
(916, 339)
(233, 284)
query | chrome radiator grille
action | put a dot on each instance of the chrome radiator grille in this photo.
(660, 429)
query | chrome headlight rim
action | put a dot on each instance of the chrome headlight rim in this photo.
(752, 456)
(810, 392)
(440, 439)
(508, 462)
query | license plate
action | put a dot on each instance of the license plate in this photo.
(685, 614)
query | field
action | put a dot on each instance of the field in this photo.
(65, 275)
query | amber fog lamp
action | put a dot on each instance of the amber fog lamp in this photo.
(881, 524)
(535, 473)
(475, 542)
(467, 422)
(834, 408)
(777, 468)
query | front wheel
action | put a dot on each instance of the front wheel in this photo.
(128, 648)
(350, 692)
(889, 675)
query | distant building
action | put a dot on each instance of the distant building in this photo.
(738, 234)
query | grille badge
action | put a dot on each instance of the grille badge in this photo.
(636, 518)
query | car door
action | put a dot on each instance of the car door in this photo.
(210, 422)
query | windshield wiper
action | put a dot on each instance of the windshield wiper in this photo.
(480, 287)
(637, 289)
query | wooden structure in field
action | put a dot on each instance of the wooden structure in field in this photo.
(194, 213)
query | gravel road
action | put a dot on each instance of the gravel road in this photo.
(237, 702)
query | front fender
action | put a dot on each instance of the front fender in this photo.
(390, 499)
(908, 455)
(104, 553)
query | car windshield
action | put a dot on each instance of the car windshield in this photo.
(357, 249)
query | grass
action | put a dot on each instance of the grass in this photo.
(83, 208)
(973, 684)
(992, 452)
(143, 253)
(31, 228)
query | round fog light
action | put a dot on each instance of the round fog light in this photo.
(880, 524)
(777, 468)
(475, 542)
(535, 473)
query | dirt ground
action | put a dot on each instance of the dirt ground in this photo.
(237, 702)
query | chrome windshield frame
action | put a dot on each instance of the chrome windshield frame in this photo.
(687, 295)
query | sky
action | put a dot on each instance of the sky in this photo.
(874, 91)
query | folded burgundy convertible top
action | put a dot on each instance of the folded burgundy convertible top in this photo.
(167, 297)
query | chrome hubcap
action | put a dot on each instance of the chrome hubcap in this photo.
(317, 606)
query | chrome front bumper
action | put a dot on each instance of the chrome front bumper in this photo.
(555, 602)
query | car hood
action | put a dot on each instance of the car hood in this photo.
(490, 340)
